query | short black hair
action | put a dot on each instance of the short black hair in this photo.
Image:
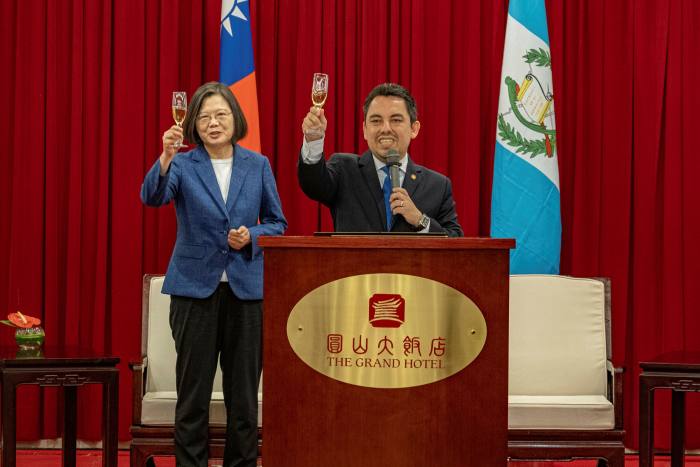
(189, 126)
(392, 90)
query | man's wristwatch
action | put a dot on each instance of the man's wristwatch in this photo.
(424, 222)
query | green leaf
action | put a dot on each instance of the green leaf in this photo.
(7, 323)
(539, 56)
(521, 145)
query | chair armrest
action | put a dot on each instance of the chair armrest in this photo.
(615, 392)
(138, 374)
(134, 364)
(618, 399)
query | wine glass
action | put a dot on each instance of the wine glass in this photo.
(179, 112)
(319, 89)
(319, 93)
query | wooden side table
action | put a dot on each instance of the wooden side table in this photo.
(68, 368)
(679, 372)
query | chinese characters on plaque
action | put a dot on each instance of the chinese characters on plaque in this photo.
(384, 353)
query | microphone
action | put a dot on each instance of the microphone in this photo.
(393, 161)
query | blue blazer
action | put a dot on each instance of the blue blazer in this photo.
(201, 252)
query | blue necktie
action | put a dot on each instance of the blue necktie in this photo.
(386, 188)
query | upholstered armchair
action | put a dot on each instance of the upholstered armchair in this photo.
(564, 396)
(154, 396)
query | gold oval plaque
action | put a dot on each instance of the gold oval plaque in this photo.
(386, 330)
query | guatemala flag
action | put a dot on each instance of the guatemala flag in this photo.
(525, 196)
(237, 69)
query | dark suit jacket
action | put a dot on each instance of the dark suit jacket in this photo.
(201, 250)
(349, 186)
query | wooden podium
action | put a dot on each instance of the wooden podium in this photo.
(310, 419)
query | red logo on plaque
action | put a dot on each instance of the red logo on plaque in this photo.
(387, 310)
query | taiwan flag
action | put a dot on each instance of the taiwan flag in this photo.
(237, 68)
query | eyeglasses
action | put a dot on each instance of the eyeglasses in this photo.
(205, 119)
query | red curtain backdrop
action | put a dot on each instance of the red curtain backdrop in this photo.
(88, 86)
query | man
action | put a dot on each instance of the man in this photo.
(354, 187)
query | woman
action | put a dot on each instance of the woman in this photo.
(225, 198)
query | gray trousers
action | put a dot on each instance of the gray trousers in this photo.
(220, 327)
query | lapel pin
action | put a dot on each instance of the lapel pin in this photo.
(413, 176)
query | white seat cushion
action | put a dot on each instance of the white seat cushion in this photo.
(160, 345)
(158, 408)
(561, 412)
